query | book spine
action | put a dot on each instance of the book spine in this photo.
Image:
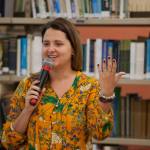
(94, 9)
(5, 67)
(99, 8)
(85, 9)
(37, 9)
(46, 8)
(23, 56)
(58, 10)
(91, 67)
(18, 57)
(73, 9)
(12, 55)
(33, 9)
(80, 8)
(68, 6)
(2, 8)
(77, 9)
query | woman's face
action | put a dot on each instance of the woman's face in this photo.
(57, 48)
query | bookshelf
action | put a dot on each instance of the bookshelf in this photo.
(88, 22)
(123, 141)
(109, 22)
(14, 78)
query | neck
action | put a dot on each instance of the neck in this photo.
(61, 74)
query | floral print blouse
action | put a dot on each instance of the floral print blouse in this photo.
(63, 123)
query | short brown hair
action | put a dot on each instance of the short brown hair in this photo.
(72, 35)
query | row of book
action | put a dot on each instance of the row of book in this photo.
(132, 56)
(21, 55)
(131, 116)
(75, 8)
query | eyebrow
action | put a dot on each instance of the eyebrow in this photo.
(54, 41)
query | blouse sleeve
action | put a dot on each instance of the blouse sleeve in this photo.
(99, 124)
(9, 137)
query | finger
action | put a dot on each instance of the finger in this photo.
(34, 97)
(35, 82)
(43, 91)
(114, 68)
(99, 68)
(34, 87)
(109, 64)
(104, 65)
(119, 75)
(34, 93)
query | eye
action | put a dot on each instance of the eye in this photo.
(58, 44)
(46, 44)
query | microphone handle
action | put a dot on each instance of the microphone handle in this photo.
(42, 79)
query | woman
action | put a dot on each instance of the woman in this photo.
(70, 109)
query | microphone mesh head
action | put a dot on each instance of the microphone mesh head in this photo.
(48, 62)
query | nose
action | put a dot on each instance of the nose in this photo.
(51, 48)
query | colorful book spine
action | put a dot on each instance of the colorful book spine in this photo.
(23, 57)
(99, 9)
(94, 9)
(105, 50)
(58, 9)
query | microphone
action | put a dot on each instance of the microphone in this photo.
(46, 66)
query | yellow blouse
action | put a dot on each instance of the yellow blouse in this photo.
(66, 123)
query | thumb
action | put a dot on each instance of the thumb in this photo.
(43, 91)
(119, 75)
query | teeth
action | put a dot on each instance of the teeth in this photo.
(52, 56)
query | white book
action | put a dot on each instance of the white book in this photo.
(33, 9)
(132, 59)
(122, 14)
(77, 9)
(42, 9)
(88, 57)
(68, 6)
(29, 40)
(36, 55)
(18, 56)
(98, 54)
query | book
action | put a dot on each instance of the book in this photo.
(2, 4)
(1, 55)
(12, 55)
(148, 119)
(23, 58)
(122, 116)
(5, 58)
(9, 8)
(129, 96)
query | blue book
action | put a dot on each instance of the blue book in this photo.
(115, 107)
(23, 66)
(148, 59)
(91, 67)
(84, 57)
(104, 51)
(73, 9)
(99, 8)
(94, 9)
(58, 9)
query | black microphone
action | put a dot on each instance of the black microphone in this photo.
(46, 66)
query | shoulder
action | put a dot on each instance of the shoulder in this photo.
(87, 80)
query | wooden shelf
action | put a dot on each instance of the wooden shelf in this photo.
(103, 21)
(124, 141)
(139, 82)
(15, 78)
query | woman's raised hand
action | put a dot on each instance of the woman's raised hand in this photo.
(107, 77)
(33, 94)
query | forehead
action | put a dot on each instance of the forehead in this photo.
(54, 34)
